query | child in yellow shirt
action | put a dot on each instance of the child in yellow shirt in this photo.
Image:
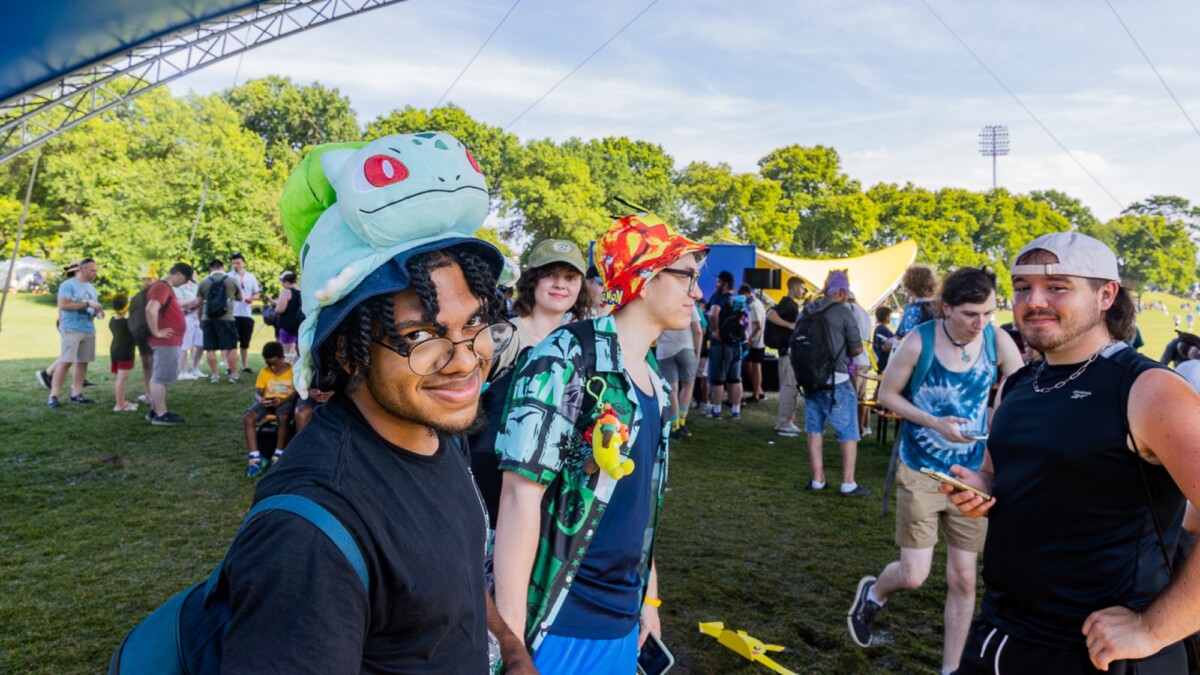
(276, 395)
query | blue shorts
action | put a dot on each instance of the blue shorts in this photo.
(840, 410)
(567, 655)
(725, 363)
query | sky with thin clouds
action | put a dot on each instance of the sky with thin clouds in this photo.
(883, 82)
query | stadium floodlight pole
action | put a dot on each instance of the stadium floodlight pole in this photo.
(993, 142)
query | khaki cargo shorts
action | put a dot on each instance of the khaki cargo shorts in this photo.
(920, 508)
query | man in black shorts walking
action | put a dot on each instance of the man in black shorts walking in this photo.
(1091, 456)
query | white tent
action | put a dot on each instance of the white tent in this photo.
(23, 270)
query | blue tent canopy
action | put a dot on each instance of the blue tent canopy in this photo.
(40, 42)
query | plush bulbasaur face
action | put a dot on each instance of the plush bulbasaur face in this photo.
(408, 187)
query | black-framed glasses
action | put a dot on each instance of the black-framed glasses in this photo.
(430, 356)
(692, 275)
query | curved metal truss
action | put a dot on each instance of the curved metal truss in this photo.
(36, 116)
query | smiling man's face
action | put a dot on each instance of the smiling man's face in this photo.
(447, 400)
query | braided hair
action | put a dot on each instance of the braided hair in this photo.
(345, 356)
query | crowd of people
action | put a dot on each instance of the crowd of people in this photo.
(499, 455)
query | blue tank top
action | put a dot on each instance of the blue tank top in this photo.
(606, 596)
(945, 393)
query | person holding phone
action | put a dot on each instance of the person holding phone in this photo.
(943, 399)
(1091, 456)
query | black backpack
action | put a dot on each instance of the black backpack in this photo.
(731, 325)
(774, 335)
(216, 301)
(811, 350)
(137, 316)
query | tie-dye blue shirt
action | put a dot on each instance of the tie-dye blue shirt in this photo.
(945, 393)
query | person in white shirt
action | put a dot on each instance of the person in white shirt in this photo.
(193, 340)
(755, 345)
(251, 291)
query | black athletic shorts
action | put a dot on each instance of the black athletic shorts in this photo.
(990, 652)
(245, 330)
(219, 335)
(755, 355)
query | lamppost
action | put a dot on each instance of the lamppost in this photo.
(993, 142)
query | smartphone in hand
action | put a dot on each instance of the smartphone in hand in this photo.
(654, 659)
(951, 480)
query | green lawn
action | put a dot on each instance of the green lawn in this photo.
(104, 517)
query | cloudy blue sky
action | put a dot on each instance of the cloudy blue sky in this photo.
(884, 82)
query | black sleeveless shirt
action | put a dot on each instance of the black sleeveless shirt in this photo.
(1072, 531)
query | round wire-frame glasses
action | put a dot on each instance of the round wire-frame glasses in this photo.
(430, 356)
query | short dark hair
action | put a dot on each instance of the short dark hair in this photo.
(183, 268)
(528, 281)
(119, 302)
(214, 264)
(272, 350)
(726, 277)
(237, 256)
(968, 284)
(883, 313)
(86, 261)
(345, 356)
(288, 277)
(745, 289)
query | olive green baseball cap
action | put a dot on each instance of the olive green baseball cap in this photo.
(557, 251)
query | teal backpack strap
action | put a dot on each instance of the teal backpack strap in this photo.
(925, 361)
(989, 347)
(313, 513)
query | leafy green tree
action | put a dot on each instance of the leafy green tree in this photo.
(128, 188)
(1079, 216)
(834, 218)
(1153, 252)
(639, 172)
(290, 117)
(553, 196)
(1174, 209)
(744, 206)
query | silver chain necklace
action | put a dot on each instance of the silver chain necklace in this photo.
(1041, 366)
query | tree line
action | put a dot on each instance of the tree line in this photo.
(126, 189)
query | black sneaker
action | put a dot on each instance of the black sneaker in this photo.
(859, 491)
(43, 378)
(247, 370)
(167, 419)
(150, 415)
(88, 383)
(53, 402)
(861, 618)
(80, 398)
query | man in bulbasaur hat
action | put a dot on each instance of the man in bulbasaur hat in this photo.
(402, 319)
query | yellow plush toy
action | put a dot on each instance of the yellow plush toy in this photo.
(607, 434)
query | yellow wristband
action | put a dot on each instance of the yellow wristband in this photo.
(653, 602)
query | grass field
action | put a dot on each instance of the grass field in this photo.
(104, 517)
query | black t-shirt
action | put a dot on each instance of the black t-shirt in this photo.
(297, 605)
(881, 335)
(1071, 531)
(121, 348)
(788, 310)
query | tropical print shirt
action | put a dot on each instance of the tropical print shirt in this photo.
(555, 398)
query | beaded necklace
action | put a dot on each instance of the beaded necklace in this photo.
(961, 345)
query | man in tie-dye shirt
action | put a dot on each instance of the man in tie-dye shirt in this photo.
(938, 380)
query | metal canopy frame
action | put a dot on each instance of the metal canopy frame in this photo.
(37, 115)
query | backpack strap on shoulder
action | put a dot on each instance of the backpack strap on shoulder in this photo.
(925, 361)
(989, 348)
(313, 513)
